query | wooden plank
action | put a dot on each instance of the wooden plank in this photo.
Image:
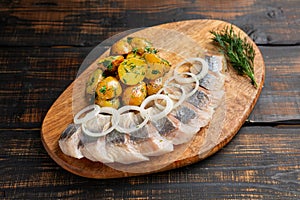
(31, 79)
(239, 99)
(259, 163)
(28, 172)
(42, 74)
(280, 97)
(77, 23)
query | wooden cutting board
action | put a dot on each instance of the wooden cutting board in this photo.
(240, 98)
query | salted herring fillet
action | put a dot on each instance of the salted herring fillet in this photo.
(69, 141)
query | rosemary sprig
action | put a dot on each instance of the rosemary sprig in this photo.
(238, 51)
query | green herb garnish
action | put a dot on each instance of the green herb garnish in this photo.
(103, 89)
(132, 66)
(134, 51)
(155, 71)
(165, 61)
(149, 49)
(108, 64)
(104, 75)
(238, 51)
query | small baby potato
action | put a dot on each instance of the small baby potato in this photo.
(153, 86)
(92, 82)
(121, 47)
(132, 71)
(114, 103)
(139, 44)
(157, 66)
(108, 88)
(134, 95)
(133, 55)
(110, 63)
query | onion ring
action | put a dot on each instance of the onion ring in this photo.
(200, 75)
(114, 121)
(196, 80)
(180, 99)
(163, 113)
(137, 127)
(90, 115)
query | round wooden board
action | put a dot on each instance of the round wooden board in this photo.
(240, 98)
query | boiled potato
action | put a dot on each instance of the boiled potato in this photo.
(133, 55)
(108, 88)
(92, 82)
(121, 47)
(157, 66)
(134, 95)
(153, 86)
(139, 44)
(110, 63)
(115, 102)
(132, 71)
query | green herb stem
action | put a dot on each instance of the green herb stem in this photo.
(238, 51)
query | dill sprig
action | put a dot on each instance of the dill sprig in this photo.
(238, 51)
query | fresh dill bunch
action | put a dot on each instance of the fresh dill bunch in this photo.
(238, 51)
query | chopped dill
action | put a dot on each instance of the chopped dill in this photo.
(155, 71)
(103, 89)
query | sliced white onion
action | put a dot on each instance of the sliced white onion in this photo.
(180, 99)
(163, 113)
(196, 80)
(94, 110)
(201, 72)
(137, 127)
(174, 78)
(115, 119)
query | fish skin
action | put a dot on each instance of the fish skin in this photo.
(199, 99)
(164, 126)
(70, 140)
(155, 145)
(119, 146)
(121, 150)
(215, 79)
(184, 114)
(202, 104)
(148, 141)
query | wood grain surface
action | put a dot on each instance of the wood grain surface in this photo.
(240, 98)
(43, 43)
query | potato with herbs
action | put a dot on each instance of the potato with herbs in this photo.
(132, 71)
(108, 88)
(134, 95)
(133, 55)
(114, 102)
(153, 86)
(121, 47)
(157, 66)
(139, 45)
(110, 63)
(92, 82)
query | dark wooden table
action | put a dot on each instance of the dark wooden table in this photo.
(42, 44)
